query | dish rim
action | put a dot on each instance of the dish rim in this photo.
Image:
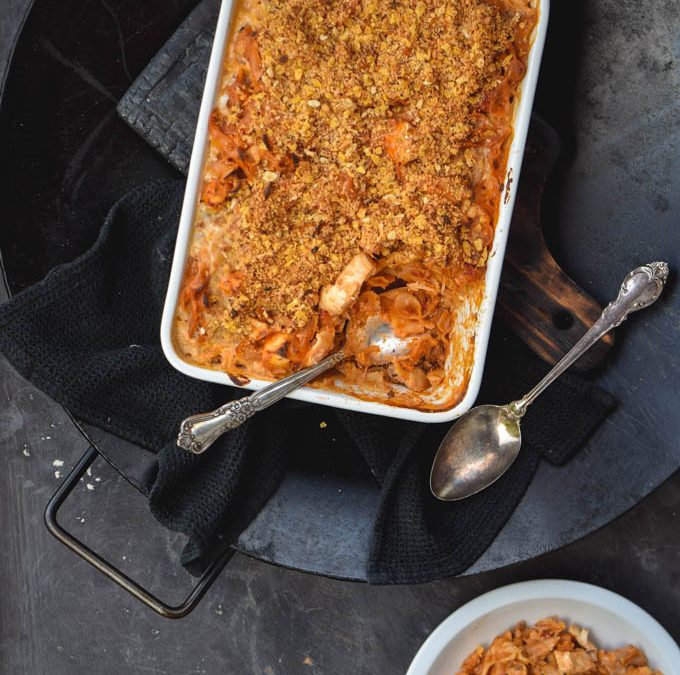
(541, 589)
(493, 272)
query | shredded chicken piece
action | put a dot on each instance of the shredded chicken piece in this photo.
(577, 662)
(581, 636)
(337, 298)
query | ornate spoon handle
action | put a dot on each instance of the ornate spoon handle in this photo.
(639, 290)
(199, 432)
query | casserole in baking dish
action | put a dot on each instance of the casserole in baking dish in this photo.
(353, 159)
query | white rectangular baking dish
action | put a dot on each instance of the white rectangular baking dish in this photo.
(482, 328)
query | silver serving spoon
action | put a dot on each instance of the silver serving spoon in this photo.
(199, 432)
(485, 441)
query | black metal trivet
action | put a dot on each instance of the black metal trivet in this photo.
(71, 481)
(108, 568)
(86, 160)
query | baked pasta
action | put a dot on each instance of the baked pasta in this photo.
(551, 648)
(356, 163)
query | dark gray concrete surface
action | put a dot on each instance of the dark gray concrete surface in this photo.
(58, 616)
(12, 15)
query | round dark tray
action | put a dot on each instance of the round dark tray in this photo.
(68, 157)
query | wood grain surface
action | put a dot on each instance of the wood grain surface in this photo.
(537, 299)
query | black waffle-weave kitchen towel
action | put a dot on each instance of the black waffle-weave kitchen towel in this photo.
(88, 335)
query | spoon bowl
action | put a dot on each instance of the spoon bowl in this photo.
(475, 452)
(378, 335)
(485, 441)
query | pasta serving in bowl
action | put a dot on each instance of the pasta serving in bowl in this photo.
(352, 160)
(548, 627)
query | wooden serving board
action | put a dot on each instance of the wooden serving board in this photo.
(537, 300)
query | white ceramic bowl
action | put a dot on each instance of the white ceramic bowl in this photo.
(612, 621)
(493, 271)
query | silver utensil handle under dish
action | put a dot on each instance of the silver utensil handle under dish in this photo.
(199, 432)
(639, 290)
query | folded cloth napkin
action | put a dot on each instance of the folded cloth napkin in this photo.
(88, 336)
